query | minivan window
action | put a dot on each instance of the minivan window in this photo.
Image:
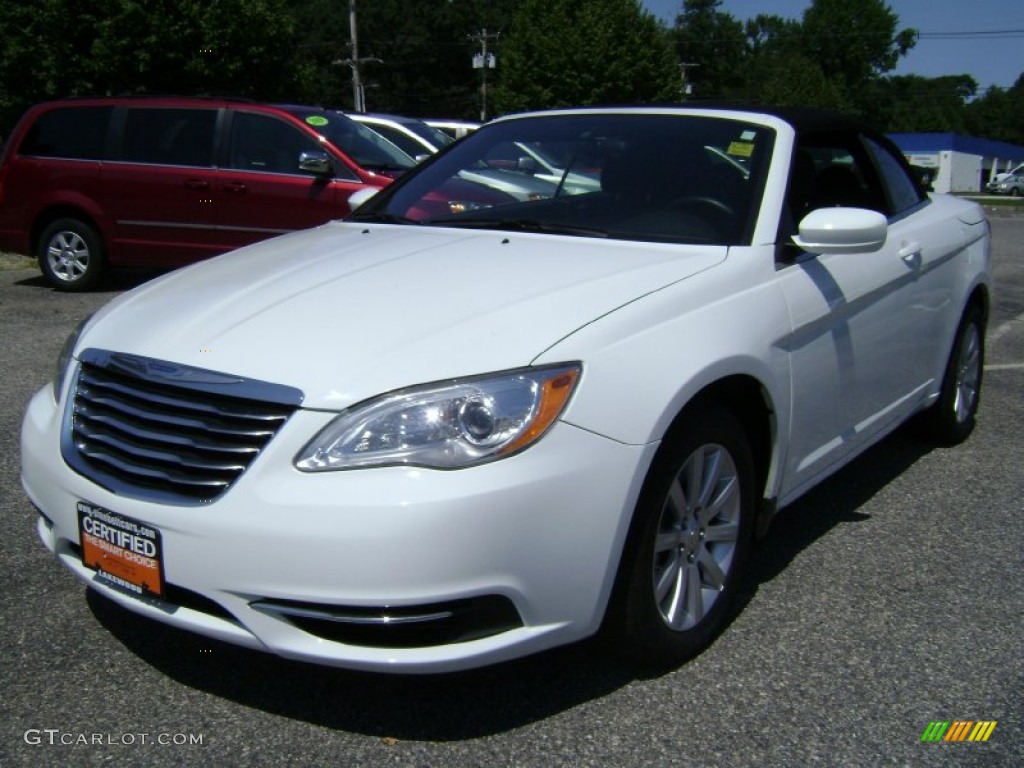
(266, 144)
(73, 132)
(169, 136)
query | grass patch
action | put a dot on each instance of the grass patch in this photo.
(15, 261)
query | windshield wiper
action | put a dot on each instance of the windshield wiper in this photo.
(381, 218)
(519, 225)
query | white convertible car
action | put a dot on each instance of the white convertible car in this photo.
(459, 427)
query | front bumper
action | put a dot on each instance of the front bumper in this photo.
(540, 532)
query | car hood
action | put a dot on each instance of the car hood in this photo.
(347, 311)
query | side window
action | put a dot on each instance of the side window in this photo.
(266, 144)
(72, 132)
(903, 192)
(169, 136)
(833, 170)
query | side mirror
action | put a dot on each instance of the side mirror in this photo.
(842, 230)
(315, 161)
(526, 165)
(360, 196)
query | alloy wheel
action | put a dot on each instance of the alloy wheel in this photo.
(697, 537)
(68, 256)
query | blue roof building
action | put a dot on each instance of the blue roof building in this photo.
(963, 163)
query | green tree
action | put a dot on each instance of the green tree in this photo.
(910, 103)
(854, 42)
(57, 48)
(564, 52)
(785, 78)
(997, 114)
(713, 49)
(780, 72)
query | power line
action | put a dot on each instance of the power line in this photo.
(990, 34)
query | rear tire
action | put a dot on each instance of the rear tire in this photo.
(70, 254)
(951, 419)
(689, 540)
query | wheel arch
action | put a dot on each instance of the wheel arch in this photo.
(741, 396)
(750, 402)
(980, 298)
(61, 211)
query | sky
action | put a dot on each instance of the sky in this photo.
(988, 45)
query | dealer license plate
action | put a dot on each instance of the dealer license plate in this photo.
(124, 552)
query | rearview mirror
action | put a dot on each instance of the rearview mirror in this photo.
(842, 230)
(526, 165)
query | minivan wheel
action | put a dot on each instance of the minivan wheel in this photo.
(70, 255)
(689, 540)
(951, 419)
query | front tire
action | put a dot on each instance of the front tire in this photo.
(951, 419)
(70, 255)
(689, 541)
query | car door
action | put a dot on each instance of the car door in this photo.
(159, 185)
(261, 189)
(859, 351)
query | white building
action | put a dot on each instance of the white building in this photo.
(962, 163)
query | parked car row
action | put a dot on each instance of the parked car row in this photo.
(87, 184)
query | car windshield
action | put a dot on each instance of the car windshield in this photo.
(436, 137)
(367, 148)
(648, 177)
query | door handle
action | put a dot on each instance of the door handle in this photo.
(910, 249)
(196, 184)
(235, 186)
(911, 252)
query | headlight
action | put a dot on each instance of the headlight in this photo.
(64, 358)
(445, 426)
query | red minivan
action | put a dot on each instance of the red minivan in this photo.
(160, 182)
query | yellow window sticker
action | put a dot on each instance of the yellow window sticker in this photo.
(741, 149)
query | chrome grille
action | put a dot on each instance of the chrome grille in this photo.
(161, 431)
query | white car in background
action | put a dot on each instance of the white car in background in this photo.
(459, 427)
(999, 178)
(414, 137)
(457, 129)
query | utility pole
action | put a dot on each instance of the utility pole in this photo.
(358, 89)
(358, 101)
(686, 88)
(484, 61)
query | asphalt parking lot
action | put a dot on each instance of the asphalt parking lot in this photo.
(890, 597)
